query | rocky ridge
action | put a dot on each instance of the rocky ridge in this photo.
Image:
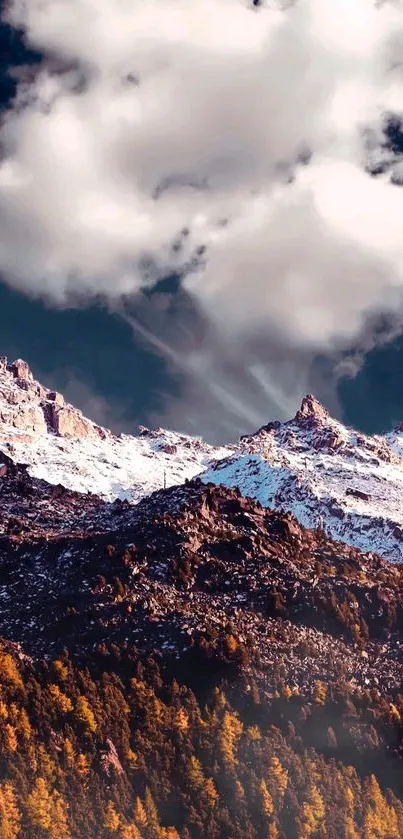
(195, 571)
(28, 409)
(58, 444)
(327, 475)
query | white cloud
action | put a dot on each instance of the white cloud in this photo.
(173, 116)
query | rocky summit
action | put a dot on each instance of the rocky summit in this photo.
(57, 443)
(29, 410)
(197, 642)
(327, 475)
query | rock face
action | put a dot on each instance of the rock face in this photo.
(21, 370)
(311, 410)
(29, 408)
(66, 421)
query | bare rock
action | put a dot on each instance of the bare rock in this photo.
(5, 460)
(30, 418)
(110, 760)
(21, 370)
(68, 422)
(169, 449)
(56, 398)
(311, 409)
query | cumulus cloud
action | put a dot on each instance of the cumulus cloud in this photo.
(228, 143)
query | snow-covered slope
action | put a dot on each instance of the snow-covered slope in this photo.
(61, 446)
(330, 477)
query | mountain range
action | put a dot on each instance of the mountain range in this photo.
(328, 476)
(197, 642)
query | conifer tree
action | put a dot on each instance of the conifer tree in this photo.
(140, 814)
(39, 806)
(112, 821)
(10, 815)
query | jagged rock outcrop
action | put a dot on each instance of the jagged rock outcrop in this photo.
(66, 421)
(30, 408)
(21, 370)
(311, 410)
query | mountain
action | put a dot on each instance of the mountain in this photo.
(59, 444)
(194, 665)
(185, 560)
(327, 475)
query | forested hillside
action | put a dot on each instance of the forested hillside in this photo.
(86, 752)
(196, 666)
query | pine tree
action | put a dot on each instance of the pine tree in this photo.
(83, 765)
(112, 821)
(10, 738)
(350, 828)
(62, 702)
(60, 825)
(277, 781)
(39, 806)
(9, 673)
(320, 693)
(140, 815)
(153, 823)
(129, 831)
(24, 726)
(10, 816)
(267, 800)
(313, 813)
(182, 720)
(231, 730)
(196, 775)
(85, 714)
(380, 819)
(211, 793)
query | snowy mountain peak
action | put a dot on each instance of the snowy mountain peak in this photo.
(312, 410)
(347, 483)
(329, 476)
(57, 443)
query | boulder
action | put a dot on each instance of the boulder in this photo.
(21, 370)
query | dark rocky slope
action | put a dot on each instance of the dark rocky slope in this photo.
(163, 660)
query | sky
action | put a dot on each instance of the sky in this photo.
(200, 220)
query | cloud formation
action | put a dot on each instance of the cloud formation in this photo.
(225, 142)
